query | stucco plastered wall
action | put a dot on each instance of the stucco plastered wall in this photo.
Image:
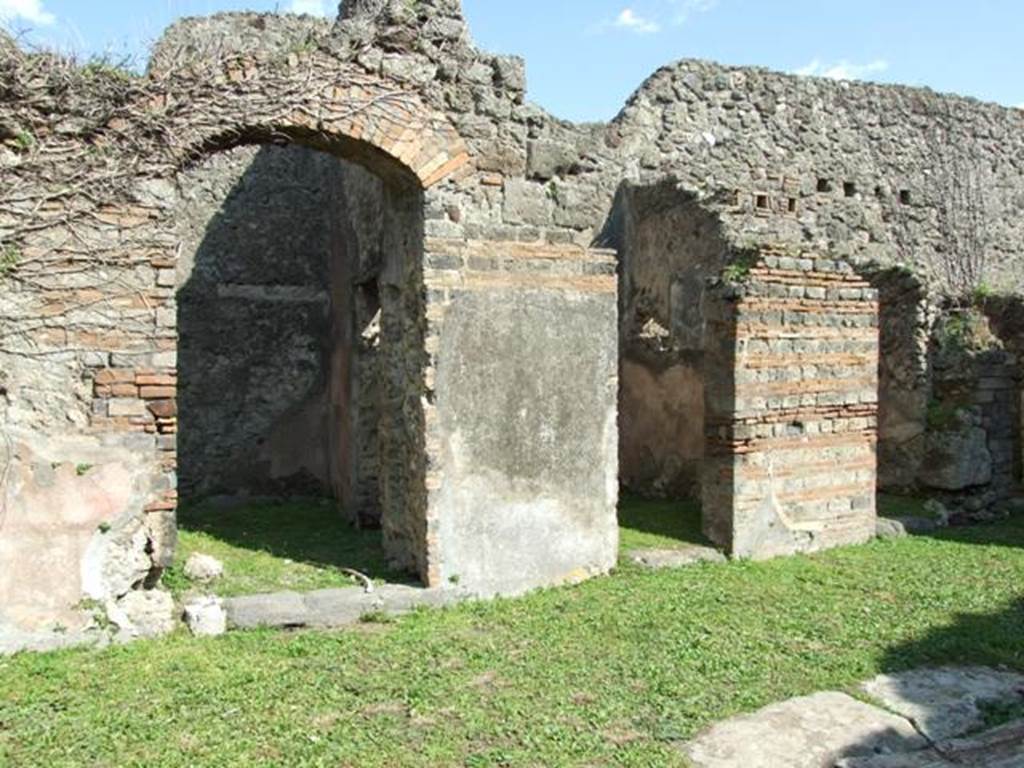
(526, 387)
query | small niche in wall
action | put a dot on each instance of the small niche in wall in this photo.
(791, 205)
(761, 201)
(849, 189)
(905, 197)
(824, 185)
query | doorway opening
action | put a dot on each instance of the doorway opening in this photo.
(669, 247)
(298, 306)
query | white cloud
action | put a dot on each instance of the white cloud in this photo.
(25, 10)
(311, 7)
(685, 9)
(628, 19)
(677, 12)
(843, 70)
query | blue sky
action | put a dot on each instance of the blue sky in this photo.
(585, 57)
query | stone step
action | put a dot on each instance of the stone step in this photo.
(675, 558)
(924, 718)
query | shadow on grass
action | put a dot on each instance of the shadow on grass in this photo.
(659, 524)
(972, 638)
(986, 639)
(306, 545)
(1006, 533)
(312, 532)
(895, 505)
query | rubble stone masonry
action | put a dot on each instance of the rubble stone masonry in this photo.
(467, 300)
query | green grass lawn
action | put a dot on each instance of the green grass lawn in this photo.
(659, 524)
(303, 546)
(300, 546)
(611, 672)
(890, 505)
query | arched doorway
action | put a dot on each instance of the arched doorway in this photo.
(299, 312)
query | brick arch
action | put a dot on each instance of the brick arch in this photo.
(317, 102)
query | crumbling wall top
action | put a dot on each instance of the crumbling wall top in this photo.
(7, 45)
(400, 9)
(203, 39)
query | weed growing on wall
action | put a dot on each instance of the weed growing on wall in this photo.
(9, 257)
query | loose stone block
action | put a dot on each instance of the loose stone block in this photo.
(206, 616)
(200, 567)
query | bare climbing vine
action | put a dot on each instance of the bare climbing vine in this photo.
(967, 213)
(961, 191)
(79, 143)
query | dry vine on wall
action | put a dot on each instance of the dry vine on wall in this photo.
(80, 144)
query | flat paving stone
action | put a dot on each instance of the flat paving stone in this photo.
(944, 703)
(998, 748)
(810, 732)
(676, 558)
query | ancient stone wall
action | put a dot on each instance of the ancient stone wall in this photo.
(356, 368)
(973, 442)
(897, 174)
(89, 339)
(402, 366)
(254, 319)
(279, 327)
(904, 376)
(972, 446)
(902, 175)
(497, 324)
(1006, 317)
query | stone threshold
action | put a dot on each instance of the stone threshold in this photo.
(332, 608)
(679, 557)
(1001, 747)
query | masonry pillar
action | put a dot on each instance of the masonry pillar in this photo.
(792, 409)
(520, 414)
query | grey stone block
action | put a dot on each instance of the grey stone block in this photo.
(998, 748)
(206, 617)
(332, 608)
(889, 528)
(280, 609)
(546, 159)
